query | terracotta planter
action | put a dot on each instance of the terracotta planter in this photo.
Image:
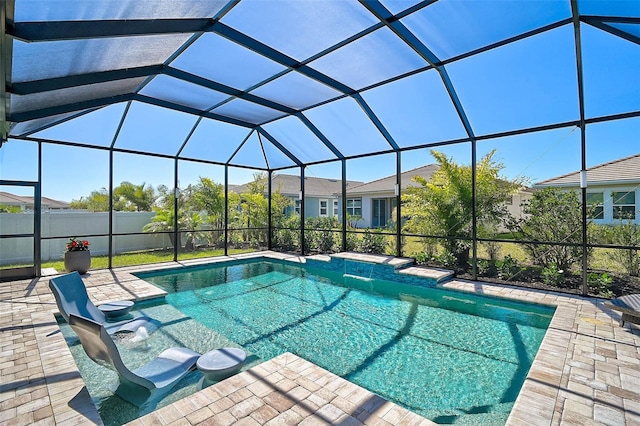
(77, 261)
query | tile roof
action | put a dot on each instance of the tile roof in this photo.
(624, 170)
(6, 197)
(387, 184)
(12, 199)
(313, 186)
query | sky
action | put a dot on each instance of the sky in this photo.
(532, 82)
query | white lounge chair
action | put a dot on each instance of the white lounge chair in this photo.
(143, 384)
(72, 298)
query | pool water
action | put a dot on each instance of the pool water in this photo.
(449, 356)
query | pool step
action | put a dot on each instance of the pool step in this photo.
(437, 274)
(380, 259)
(390, 265)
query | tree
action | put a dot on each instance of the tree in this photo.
(551, 216)
(9, 209)
(126, 197)
(259, 183)
(253, 209)
(97, 201)
(130, 197)
(442, 206)
(208, 196)
(189, 224)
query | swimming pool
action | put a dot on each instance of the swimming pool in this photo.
(446, 355)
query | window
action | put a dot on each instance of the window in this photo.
(354, 207)
(335, 208)
(298, 203)
(624, 205)
(595, 203)
(324, 208)
(509, 201)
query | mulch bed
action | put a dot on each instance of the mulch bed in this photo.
(530, 278)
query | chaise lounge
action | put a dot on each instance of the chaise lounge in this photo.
(144, 384)
(72, 298)
(629, 305)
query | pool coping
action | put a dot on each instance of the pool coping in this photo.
(587, 369)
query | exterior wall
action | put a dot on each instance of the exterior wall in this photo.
(367, 207)
(515, 207)
(367, 211)
(312, 206)
(607, 191)
(79, 224)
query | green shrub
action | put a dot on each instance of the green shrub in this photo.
(552, 275)
(551, 216)
(626, 233)
(285, 239)
(430, 247)
(352, 241)
(486, 267)
(600, 284)
(446, 259)
(325, 241)
(372, 242)
(421, 257)
(310, 240)
(508, 267)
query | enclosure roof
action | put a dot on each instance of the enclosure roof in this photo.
(276, 84)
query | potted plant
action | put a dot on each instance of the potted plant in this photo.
(77, 257)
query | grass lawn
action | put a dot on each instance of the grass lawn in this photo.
(146, 257)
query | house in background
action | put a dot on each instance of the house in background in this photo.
(613, 189)
(321, 195)
(26, 203)
(375, 201)
(516, 203)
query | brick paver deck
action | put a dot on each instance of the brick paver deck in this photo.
(587, 370)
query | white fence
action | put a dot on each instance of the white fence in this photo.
(78, 224)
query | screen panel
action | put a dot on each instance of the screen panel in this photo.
(95, 128)
(323, 24)
(153, 129)
(428, 115)
(220, 60)
(528, 83)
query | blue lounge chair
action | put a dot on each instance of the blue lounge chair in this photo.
(142, 385)
(72, 298)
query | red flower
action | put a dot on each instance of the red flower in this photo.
(75, 244)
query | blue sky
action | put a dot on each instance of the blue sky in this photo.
(529, 83)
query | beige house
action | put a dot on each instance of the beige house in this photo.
(27, 204)
(515, 204)
(613, 189)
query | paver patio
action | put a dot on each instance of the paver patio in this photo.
(587, 370)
